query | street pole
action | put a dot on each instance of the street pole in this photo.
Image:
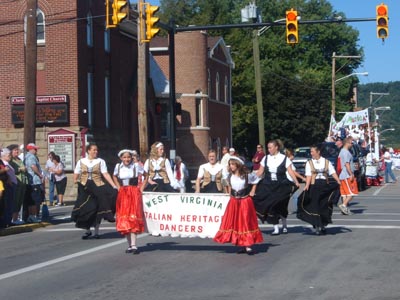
(257, 72)
(172, 96)
(30, 74)
(333, 108)
(334, 56)
(142, 88)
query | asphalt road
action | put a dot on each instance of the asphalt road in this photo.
(359, 258)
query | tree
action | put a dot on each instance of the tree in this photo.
(296, 81)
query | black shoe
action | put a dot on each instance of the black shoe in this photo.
(87, 235)
(250, 251)
(111, 219)
(135, 251)
(241, 251)
(323, 230)
(129, 250)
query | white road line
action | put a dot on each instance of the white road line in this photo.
(343, 225)
(61, 259)
(58, 260)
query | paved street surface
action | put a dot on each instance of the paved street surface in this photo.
(359, 258)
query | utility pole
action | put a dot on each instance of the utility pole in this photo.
(257, 73)
(334, 80)
(142, 90)
(30, 74)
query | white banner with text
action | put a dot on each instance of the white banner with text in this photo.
(184, 215)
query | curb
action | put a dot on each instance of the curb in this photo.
(22, 228)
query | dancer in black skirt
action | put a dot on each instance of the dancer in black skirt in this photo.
(316, 201)
(273, 191)
(96, 199)
(158, 173)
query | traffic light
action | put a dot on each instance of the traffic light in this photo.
(151, 20)
(382, 21)
(158, 109)
(292, 28)
(118, 14)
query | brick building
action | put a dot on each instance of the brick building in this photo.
(87, 83)
(203, 88)
(86, 74)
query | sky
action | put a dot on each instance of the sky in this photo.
(381, 59)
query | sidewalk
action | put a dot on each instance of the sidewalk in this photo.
(22, 228)
(29, 227)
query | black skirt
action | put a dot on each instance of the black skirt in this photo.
(315, 206)
(271, 200)
(94, 203)
(210, 188)
(159, 187)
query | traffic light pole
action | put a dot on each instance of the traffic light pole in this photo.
(257, 73)
(258, 25)
(172, 92)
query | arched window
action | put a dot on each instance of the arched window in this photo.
(40, 27)
(217, 91)
(89, 29)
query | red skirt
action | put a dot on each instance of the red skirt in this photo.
(239, 224)
(129, 212)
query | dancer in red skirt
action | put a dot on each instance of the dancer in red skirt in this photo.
(129, 210)
(239, 224)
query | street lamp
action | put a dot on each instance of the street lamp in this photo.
(334, 56)
(334, 81)
(381, 108)
(389, 129)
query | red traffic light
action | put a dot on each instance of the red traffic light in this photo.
(381, 10)
(291, 16)
(382, 21)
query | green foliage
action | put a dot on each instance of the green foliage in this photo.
(387, 119)
(296, 81)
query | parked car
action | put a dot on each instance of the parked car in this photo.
(301, 155)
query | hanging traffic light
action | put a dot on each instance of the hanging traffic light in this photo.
(158, 109)
(151, 20)
(382, 21)
(292, 28)
(118, 14)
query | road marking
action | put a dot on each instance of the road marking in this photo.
(378, 191)
(61, 259)
(343, 225)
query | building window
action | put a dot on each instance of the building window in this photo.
(165, 120)
(90, 91)
(89, 29)
(217, 91)
(199, 110)
(107, 101)
(107, 43)
(226, 90)
(40, 27)
(209, 84)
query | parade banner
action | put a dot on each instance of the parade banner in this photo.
(184, 215)
(354, 118)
